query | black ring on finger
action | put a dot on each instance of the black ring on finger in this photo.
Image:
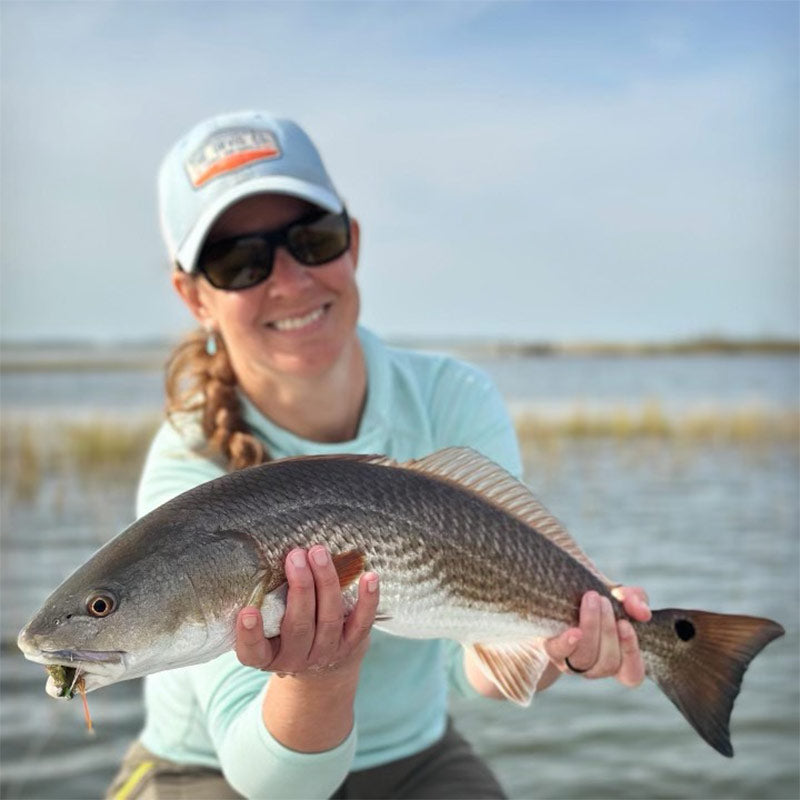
(575, 669)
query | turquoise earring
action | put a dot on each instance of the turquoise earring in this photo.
(211, 341)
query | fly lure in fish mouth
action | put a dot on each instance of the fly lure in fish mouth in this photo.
(63, 679)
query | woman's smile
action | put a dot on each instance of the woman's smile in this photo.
(300, 321)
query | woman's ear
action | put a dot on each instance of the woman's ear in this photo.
(186, 287)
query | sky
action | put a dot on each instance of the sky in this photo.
(521, 170)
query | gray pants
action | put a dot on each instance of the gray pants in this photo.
(447, 770)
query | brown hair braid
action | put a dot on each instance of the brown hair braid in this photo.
(199, 382)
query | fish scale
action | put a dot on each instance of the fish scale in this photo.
(464, 551)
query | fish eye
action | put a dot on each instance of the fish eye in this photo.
(101, 604)
(685, 629)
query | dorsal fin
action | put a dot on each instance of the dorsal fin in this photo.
(474, 472)
(367, 458)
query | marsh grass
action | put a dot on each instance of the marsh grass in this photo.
(743, 425)
(26, 475)
(97, 448)
(32, 454)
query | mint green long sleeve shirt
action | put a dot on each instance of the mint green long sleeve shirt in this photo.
(210, 714)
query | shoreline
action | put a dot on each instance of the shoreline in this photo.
(144, 356)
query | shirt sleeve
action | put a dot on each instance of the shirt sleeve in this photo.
(252, 760)
(468, 410)
(228, 693)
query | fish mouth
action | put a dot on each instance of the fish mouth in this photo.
(67, 658)
(94, 668)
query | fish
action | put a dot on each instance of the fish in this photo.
(464, 551)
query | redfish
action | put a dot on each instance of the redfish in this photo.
(464, 552)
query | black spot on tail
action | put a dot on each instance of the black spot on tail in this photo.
(684, 629)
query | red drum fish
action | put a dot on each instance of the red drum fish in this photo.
(464, 552)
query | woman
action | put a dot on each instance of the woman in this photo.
(265, 258)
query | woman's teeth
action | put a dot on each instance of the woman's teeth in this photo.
(293, 323)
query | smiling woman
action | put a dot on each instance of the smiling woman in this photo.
(279, 321)
(265, 257)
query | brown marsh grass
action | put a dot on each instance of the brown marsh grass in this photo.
(31, 453)
(742, 425)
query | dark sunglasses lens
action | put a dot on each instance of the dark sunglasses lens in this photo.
(320, 241)
(238, 264)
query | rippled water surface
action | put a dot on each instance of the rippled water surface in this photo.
(705, 526)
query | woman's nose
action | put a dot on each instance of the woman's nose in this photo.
(288, 275)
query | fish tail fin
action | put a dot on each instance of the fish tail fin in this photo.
(701, 664)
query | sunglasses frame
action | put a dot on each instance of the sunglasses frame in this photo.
(274, 240)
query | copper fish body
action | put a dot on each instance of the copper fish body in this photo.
(463, 549)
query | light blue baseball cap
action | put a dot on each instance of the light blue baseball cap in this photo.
(228, 157)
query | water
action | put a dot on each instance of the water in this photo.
(677, 381)
(700, 526)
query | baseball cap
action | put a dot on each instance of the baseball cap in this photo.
(229, 157)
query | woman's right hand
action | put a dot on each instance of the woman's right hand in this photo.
(315, 637)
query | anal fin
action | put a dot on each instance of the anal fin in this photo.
(515, 668)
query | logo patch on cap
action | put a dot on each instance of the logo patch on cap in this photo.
(228, 150)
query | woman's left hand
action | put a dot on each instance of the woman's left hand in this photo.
(601, 646)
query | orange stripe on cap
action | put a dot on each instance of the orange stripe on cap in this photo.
(233, 161)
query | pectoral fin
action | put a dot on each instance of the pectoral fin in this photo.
(513, 667)
(348, 566)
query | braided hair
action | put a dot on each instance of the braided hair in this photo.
(197, 381)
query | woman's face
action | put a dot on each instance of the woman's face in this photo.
(300, 321)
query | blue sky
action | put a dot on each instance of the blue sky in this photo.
(528, 170)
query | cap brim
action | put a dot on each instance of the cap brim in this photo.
(186, 254)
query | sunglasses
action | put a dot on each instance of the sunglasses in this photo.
(244, 261)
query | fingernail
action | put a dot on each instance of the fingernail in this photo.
(372, 584)
(298, 558)
(591, 600)
(320, 557)
(249, 621)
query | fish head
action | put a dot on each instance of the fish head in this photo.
(117, 618)
(70, 631)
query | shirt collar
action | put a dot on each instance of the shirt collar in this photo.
(371, 429)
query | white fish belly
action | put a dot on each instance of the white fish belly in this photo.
(421, 610)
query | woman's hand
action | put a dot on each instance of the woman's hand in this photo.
(601, 646)
(315, 636)
(308, 705)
